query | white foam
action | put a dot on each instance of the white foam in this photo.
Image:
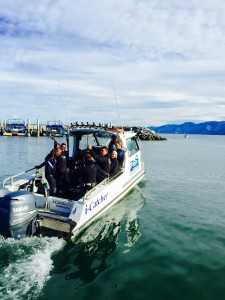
(29, 266)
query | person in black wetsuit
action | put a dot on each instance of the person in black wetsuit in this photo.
(50, 170)
(103, 160)
(62, 171)
(63, 148)
(90, 172)
(114, 163)
(76, 166)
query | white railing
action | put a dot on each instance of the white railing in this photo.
(10, 179)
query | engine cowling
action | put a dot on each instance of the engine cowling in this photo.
(18, 213)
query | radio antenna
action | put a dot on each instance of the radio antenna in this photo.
(117, 106)
(67, 136)
(63, 102)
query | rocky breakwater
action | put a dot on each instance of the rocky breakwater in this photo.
(145, 134)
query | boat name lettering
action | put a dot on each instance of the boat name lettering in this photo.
(95, 203)
(20, 208)
(60, 204)
(134, 164)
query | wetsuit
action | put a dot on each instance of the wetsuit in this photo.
(103, 161)
(62, 172)
(50, 171)
(112, 146)
(114, 166)
(120, 157)
(90, 172)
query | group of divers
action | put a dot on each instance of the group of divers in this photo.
(85, 170)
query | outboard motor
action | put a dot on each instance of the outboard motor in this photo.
(18, 212)
(3, 192)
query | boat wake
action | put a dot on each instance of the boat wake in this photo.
(28, 264)
(88, 255)
(25, 266)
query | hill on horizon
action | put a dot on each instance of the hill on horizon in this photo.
(211, 127)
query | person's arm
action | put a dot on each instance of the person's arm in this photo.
(100, 159)
(46, 159)
(40, 166)
(102, 172)
(122, 159)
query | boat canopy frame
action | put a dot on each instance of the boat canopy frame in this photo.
(78, 133)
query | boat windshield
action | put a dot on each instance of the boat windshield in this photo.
(97, 139)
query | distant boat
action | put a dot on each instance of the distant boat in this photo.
(186, 136)
(15, 127)
(55, 129)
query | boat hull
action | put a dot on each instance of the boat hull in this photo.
(7, 133)
(107, 197)
(72, 217)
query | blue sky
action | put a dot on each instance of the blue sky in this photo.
(63, 60)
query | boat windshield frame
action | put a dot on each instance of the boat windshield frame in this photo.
(96, 134)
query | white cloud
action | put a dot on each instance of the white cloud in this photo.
(165, 59)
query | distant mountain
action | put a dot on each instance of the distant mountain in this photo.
(212, 127)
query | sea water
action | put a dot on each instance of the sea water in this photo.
(165, 240)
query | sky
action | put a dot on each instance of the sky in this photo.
(129, 62)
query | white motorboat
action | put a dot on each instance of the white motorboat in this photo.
(26, 208)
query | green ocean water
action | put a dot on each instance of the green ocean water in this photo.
(165, 240)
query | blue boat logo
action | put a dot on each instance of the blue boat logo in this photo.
(134, 164)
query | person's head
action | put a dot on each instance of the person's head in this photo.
(88, 157)
(58, 151)
(113, 154)
(114, 137)
(118, 144)
(104, 150)
(63, 146)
